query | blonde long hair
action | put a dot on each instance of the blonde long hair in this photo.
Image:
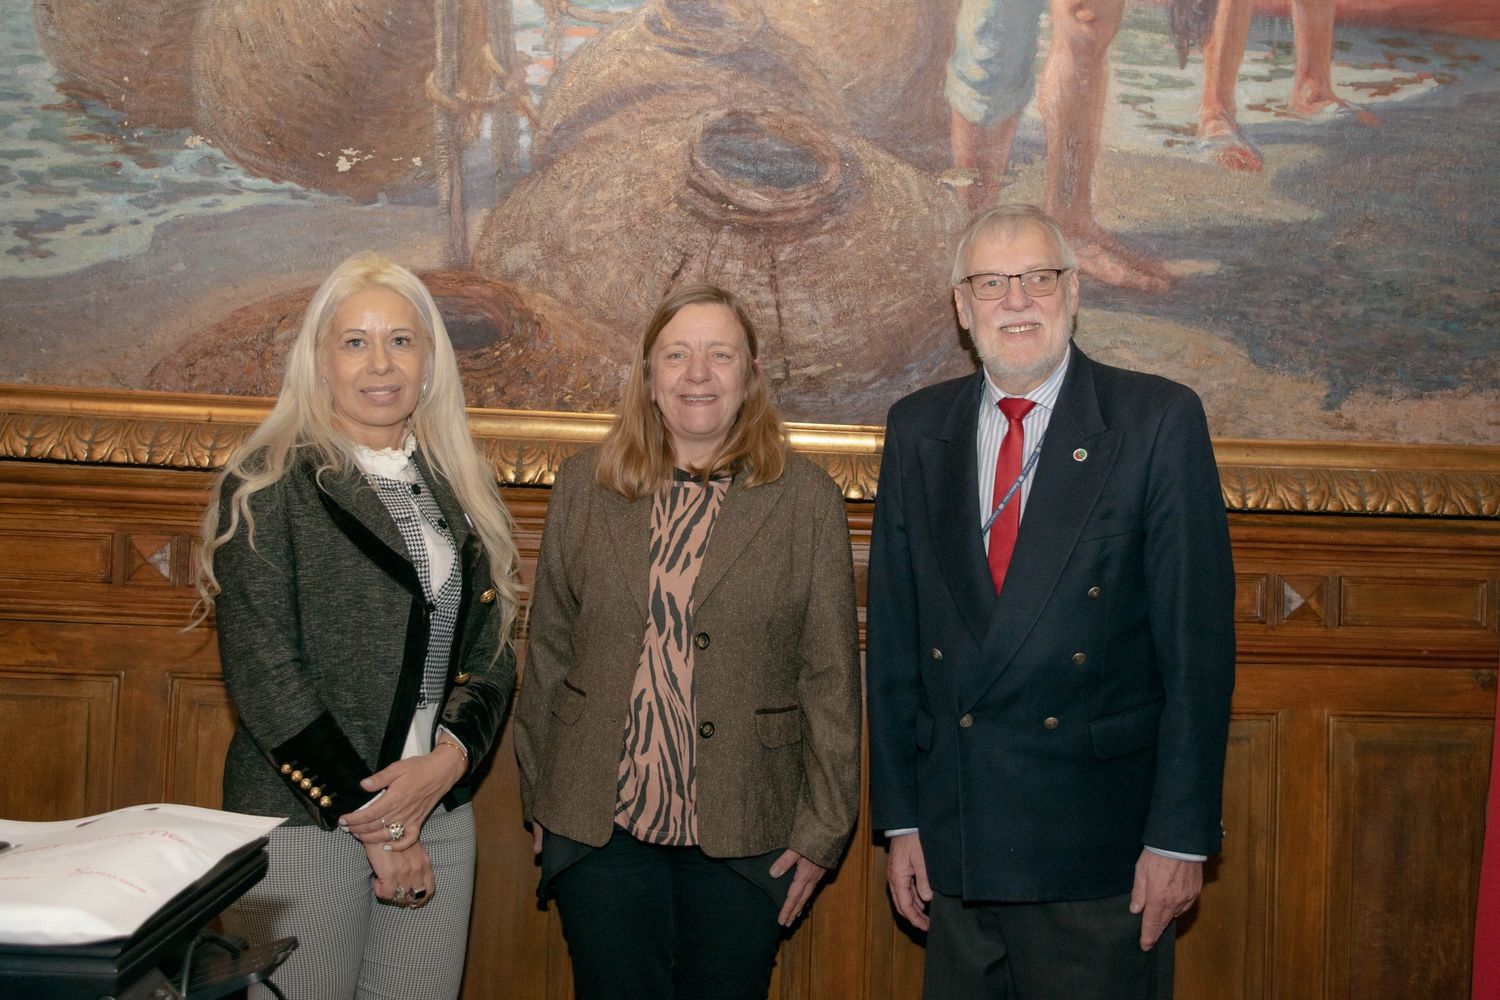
(303, 423)
(635, 457)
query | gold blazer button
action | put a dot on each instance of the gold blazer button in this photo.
(488, 597)
(462, 677)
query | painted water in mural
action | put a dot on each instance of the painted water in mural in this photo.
(1317, 259)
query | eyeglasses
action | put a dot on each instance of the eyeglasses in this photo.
(1036, 283)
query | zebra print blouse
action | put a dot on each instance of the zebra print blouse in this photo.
(656, 791)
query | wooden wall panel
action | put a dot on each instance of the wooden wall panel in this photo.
(1357, 760)
(200, 723)
(59, 731)
(61, 556)
(1223, 946)
(1443, 601)
(1401, 895)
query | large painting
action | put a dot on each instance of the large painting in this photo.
(1291, 208)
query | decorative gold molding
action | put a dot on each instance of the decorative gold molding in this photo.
(188, 431)
(1360, 478)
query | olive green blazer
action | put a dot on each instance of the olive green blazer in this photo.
(776, 665)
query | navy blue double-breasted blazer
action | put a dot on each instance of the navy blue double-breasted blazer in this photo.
(1039, 739)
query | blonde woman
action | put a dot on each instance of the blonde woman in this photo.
(363, 573)
(688, 728)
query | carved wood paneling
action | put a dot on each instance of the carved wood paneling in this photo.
(1250, 598)
(1445, 602)
(1402, 884)
(200, 723)
(1223, 946)
(1377, 632)
(59, 732)
(60, 555)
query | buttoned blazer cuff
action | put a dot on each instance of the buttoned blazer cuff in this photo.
(323, 770)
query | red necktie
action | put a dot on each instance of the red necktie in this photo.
(1007, 470)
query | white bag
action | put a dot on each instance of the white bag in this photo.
(98, 878)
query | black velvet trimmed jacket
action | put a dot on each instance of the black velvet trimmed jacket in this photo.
(323, 632)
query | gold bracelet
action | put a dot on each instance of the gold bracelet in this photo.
(457, 746)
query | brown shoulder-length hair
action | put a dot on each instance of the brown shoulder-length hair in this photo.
(635, 457)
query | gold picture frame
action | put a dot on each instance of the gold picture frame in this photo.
(197, 431)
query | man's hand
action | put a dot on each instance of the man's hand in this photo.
(906, 874)
(803, 883)
(1165, 888)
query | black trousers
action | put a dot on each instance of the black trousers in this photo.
(650, 922)
(1084, 950)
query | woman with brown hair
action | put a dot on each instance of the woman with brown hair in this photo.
(689, 721)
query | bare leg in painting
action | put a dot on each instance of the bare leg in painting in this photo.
(984, 152)
(1218, 125)
(990, 82)
(1312, 84)
(1074, 85)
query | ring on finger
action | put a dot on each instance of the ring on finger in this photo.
(396, 830)
(399, 896)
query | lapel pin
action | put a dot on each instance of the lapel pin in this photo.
(1080, 454)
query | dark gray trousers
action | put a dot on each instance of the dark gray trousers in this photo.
(1084, 950)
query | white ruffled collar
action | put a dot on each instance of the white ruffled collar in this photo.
(392, 463)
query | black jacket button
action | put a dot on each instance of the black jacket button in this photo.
(701, 640)
(706, 730)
